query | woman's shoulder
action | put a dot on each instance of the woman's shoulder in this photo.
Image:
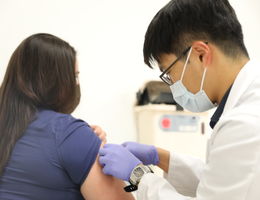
(60, 124)
(74, 142)
(56, 118)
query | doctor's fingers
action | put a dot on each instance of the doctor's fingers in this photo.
(103, 160)
(105, 151)
(125, 144)
(133, 145)
(112, 147)
(109, 167)
(109, 170)
(114, 152)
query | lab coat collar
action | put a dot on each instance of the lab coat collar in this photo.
(244, 78)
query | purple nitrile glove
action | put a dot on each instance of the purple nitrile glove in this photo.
(117, 161)
(148, 154)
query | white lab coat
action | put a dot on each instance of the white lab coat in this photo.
(232, 168)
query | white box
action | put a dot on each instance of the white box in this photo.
(180, 131)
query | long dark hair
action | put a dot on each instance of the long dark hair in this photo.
(40, 74)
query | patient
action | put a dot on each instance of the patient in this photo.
(45, 153)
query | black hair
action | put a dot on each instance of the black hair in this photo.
(180, 22)
(40, 75)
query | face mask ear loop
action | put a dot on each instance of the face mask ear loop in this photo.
(203, 78)
(185, 65)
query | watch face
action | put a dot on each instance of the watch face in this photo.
(138, 172)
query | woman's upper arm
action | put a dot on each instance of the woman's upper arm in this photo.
(98, 186)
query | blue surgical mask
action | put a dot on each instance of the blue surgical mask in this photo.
(198, 102)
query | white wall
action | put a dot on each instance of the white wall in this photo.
(108, 36)
(249, 16)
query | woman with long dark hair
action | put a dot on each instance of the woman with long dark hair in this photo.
(45, 153)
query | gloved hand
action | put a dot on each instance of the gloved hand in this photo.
(117, 161)
(146, 153)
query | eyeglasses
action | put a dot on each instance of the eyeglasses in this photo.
(165, 74)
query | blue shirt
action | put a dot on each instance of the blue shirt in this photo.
(51, 160)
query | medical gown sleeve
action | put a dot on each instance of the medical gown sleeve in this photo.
(184, 173)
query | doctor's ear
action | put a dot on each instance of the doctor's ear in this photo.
(203, 51)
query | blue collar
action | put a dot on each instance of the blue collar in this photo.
(217, 114)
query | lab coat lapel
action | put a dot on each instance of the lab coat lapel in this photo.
(244, 78)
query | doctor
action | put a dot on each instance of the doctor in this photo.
(199, 47)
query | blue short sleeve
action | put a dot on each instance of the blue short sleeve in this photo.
(77, 146)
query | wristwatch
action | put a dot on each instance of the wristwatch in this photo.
(136, 176)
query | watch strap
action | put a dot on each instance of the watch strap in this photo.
(134, 184)
(131, 188)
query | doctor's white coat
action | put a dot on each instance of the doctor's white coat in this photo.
(232, 168)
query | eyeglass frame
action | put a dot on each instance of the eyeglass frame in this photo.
(168, 81)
